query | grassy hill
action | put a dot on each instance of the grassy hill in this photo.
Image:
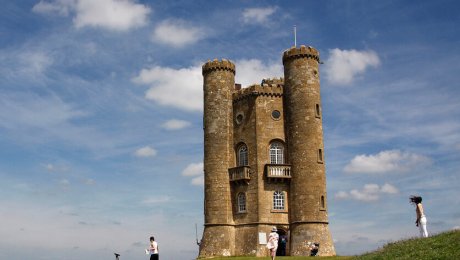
(442, 246)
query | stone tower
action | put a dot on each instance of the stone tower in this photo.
(264, 160)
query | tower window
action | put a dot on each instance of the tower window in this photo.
(239, 118)
(243, 155)
(278, 200)
(276, 153)
(320, 155)
(241, 202)
(317, 111)
(276, 114)
(323, 203)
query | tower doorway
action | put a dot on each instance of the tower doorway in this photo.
(282, 243)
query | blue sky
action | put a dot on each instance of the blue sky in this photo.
(101, 141)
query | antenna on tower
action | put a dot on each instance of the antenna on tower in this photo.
(295, 36)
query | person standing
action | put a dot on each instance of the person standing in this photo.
(272, 244)
(420, 222)
(153, 249)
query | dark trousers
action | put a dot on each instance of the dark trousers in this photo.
(154, 257)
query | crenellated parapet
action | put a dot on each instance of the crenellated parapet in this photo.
(302, 52)
(273, 81)
(216, 64)
(269, 87)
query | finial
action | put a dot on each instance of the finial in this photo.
(295, 36)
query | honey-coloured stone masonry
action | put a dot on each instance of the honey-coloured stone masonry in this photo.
(264, 163)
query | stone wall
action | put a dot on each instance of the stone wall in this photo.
(234, 116)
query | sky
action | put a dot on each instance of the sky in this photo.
(101, 140)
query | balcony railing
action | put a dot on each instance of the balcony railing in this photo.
(282, 171)
(240, 174)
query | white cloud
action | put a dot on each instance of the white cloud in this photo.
(61, 7)
(253, 71)
(388, 188)
(370, 192)
(117, 15)
(193, 169)
(35, 63)
(342, 195)
(146, 151)
(258, 15)
(198, 181)
(175, 124)
(183, 88)
(177, 33)
(343, 66)
(386, 161)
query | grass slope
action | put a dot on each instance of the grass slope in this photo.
(442, 246)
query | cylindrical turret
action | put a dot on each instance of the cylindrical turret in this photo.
(308, 210)
(219, 82)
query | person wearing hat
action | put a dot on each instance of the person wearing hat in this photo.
(272, 244)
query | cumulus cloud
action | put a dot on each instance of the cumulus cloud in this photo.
(370, 192)
(177, 33)
(386, 161)
(146, 151)
(195, 170)
(253, 71)
(258, 15)
(343, 66)
(117, 15)
(183, 88)
(175, 124)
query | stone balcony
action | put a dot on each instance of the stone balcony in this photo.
(278, 172)
(240, 174)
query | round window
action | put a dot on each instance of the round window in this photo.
(239, 118)
(276, 114)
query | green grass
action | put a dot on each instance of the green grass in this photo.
(442, 246)
(283, 258)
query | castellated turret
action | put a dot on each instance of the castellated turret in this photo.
(219, 82)
(308, 214)
(264, 161)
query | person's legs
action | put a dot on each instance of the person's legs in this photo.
(422, 226)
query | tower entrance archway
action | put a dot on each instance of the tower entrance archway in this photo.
(283, 247)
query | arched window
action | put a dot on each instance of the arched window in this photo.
(241, 202)
(278, 200)
(276, 153)
(242, 155)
